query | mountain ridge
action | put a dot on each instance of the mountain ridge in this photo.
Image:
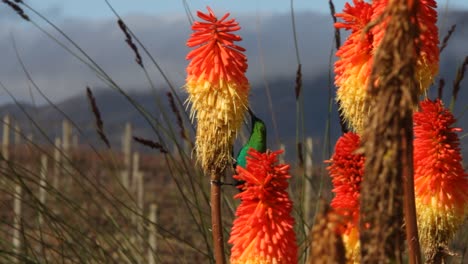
(116, 111)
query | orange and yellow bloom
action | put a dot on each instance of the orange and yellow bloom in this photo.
(355, 57)
(353, 67)
(217, 87)
(263, 232)
(428, 41)
(441, 185)
(347, 170)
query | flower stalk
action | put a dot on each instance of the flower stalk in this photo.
(216, 219)
(388, 140)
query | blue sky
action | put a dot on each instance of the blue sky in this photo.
(98, 8)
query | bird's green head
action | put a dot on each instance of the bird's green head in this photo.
(258, 126)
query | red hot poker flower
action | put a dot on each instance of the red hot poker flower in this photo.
(217, 87)
(355, 56)
(441, 185)
(353, 67)
(263, 230)
(347, 170)
(216, 58)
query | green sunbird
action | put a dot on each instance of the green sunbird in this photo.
(257, 141)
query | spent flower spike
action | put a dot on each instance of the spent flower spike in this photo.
(217, 87)
(441, 184)
(347, 169)
(263, 231)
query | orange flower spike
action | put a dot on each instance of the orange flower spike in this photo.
(353, 67)
(428, 62)
(355, 57)
(217, 51)
(217, 87)
(347, 169)
(263, 231)
(441, 185)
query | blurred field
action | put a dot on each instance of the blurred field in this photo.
(93, 207)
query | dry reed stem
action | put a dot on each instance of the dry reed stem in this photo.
(17, 8)
(42, 187)
(447, 37)
(129, 40)
(459, 78)
(300, 155)
(337, 36)
(388, 143)
(176, 111)
(151, 144)
(298, 84)
(440, 89)
(97, 116)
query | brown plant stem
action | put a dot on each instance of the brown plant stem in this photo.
(216, 223)
(388, 140)
(412, 237)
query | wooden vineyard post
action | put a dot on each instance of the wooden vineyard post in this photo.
(140, 203)
(66, 143)
(281, 157)
(126, 149)
(135, 170)
(16, 239)
(153, 235)
(17, 138)
(57, 162)
(138, 192)
(6, 137)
